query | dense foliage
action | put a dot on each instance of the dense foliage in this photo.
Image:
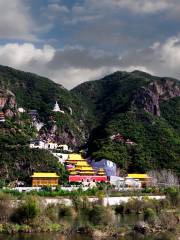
(97, 108)
(39, 93)
(156, 139)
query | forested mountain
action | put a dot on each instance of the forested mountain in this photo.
(130, 118)
(144, 110)
(34, 92)
(31, 92)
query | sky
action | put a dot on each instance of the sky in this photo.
(73, 41)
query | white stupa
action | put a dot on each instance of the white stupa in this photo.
(57, 108)
(21, 110)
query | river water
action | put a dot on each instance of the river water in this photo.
(52, 236)
(43, 236)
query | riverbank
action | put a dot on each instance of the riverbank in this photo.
(96, 217)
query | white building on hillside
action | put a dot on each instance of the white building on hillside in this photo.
(42, 144)
(37, 144)
(51, 145)
(61, 156)
(63, 147)
(21, 110)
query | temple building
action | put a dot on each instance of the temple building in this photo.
(2, 118)
(82, 168)
(144, 179)
(81, 171)
(40, 179)
(101, 172)
(82, 179)
(74, 158)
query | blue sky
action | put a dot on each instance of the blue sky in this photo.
(73, 41)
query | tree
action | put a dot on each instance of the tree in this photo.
(163, 178)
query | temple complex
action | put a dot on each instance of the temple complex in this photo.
(40, 179)
(81, 171)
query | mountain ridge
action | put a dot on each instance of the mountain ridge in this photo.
(144, 109)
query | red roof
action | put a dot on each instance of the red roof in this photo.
(78, 178)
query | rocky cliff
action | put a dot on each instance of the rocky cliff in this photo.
(8, 103)
(139, 107)
(150, 97)
(33, 92)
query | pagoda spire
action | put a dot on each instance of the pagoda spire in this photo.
(56, 107)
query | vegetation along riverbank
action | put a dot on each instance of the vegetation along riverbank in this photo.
(28, 213)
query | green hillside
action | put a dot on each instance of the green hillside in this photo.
(35, 92)
(122, 103)
(142, 108)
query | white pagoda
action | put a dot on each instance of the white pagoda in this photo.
(57, 108)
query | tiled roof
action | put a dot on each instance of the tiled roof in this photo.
(137, 175)
(44, 174)
(76, 157)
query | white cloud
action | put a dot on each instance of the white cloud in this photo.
(143, 6)
(136, 6)
(162, 59)
(15, 20)
(23, 55)
(70, 66)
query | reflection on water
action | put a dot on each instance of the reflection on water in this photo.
(127, 219)
(52, 236)
(119, 220)
(44, 236)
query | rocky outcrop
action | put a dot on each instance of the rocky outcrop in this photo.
(8, 103)
(149, 98)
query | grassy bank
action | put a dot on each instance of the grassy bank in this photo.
(101, 189)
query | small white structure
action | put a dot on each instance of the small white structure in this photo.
(128, 141)
(37, 144)
(21, 110)
(38, 125)
(51, 145)
(117, 181)
(63, 147)
(132, 183)
(2, 117)
(70, 110)
(57, 108)
(61, 156)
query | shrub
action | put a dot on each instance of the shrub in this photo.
(134, 206)
(64, 211)
(149, 215)
(55, 227)
(77, 203)
(11, 228)
(26, 212)
(169, 221)
(25, 228)
(5, 206)
(120, 209)
(99, 215)
(51, 211)
(1, 228)
(173, 194)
